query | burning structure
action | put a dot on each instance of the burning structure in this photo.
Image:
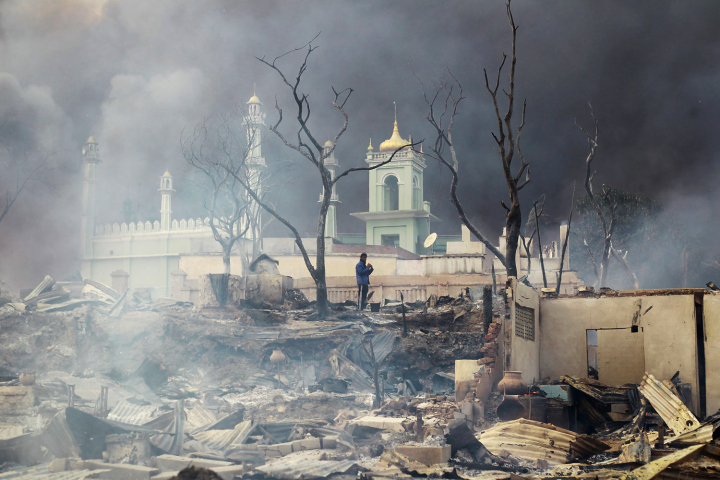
(471, 386)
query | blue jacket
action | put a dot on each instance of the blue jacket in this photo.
(362, 274)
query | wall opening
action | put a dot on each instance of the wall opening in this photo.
(392, 193)
(390, 240)
(417, 197)
(616, 356)
(592, 360)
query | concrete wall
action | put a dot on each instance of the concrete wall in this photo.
(453, 264)
(336, 265)
(667, 323)
(711, 316)
(413, 287)
(524, 353)
(197, 265)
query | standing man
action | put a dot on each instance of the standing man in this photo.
(362, 274)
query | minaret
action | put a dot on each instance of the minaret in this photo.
(90, 160)
(254, 123)
(332, 165)
(166, 193)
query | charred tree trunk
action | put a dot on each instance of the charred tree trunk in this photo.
(507, 140)
(513, 223)
(226, 259)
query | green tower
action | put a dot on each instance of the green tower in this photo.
(398, 215)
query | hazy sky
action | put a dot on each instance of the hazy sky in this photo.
(136, 74)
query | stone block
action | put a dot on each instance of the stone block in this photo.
(391, 424)
(285, 448)
(122, 471)
(58, 465)
(306, 444)
(329, 443)
(172, 463)
(273, 454)
(16, 399)
(229, 472)
(426, 455)
(205, 463)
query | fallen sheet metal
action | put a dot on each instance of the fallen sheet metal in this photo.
(132, 414)
(598, 390)
(42, 473)
(220, 440)
(670, 408)
(305, 468)
(198, 417)
(637, 451)
(704, 434)
(346, 369)
(534, 441)
(652, 469)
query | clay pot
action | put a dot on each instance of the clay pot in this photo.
(27, 379)
(512, 384)
(277, 356)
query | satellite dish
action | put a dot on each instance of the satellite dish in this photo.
(430, 240)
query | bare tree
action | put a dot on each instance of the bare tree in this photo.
(214, 150)
(607, 217)
(307, 145)
(443, 108)
(18, 167)
(608, 224)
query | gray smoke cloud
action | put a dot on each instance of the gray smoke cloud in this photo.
(137, 74)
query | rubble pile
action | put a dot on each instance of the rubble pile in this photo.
(97, 384)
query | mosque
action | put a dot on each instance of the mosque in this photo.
(168, 255)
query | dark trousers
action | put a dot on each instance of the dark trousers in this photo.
(362, 296)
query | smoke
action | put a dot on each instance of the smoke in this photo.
(136, 74)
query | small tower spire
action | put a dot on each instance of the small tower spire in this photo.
(166, 193)
(90, 161)
(370, 147)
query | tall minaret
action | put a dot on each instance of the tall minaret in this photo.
(332, 165)
(166, 193)
(90, 160)
(254, 123)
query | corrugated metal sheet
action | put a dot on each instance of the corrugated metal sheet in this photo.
(653, 469)
(10, 431)
(703, 434)
(345, 368)
(382, 344)
(670, 408)
(197, 417)
(304, 468)
(220, 440)
(132, 414)
(532, 440)
(598, 390)
(42, 473)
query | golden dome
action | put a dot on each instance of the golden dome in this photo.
(394, 142)
(91, 139)
(254, 99)
(328, 144)
(167, 174)
(370, 148)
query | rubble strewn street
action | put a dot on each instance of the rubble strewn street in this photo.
(164, 386)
